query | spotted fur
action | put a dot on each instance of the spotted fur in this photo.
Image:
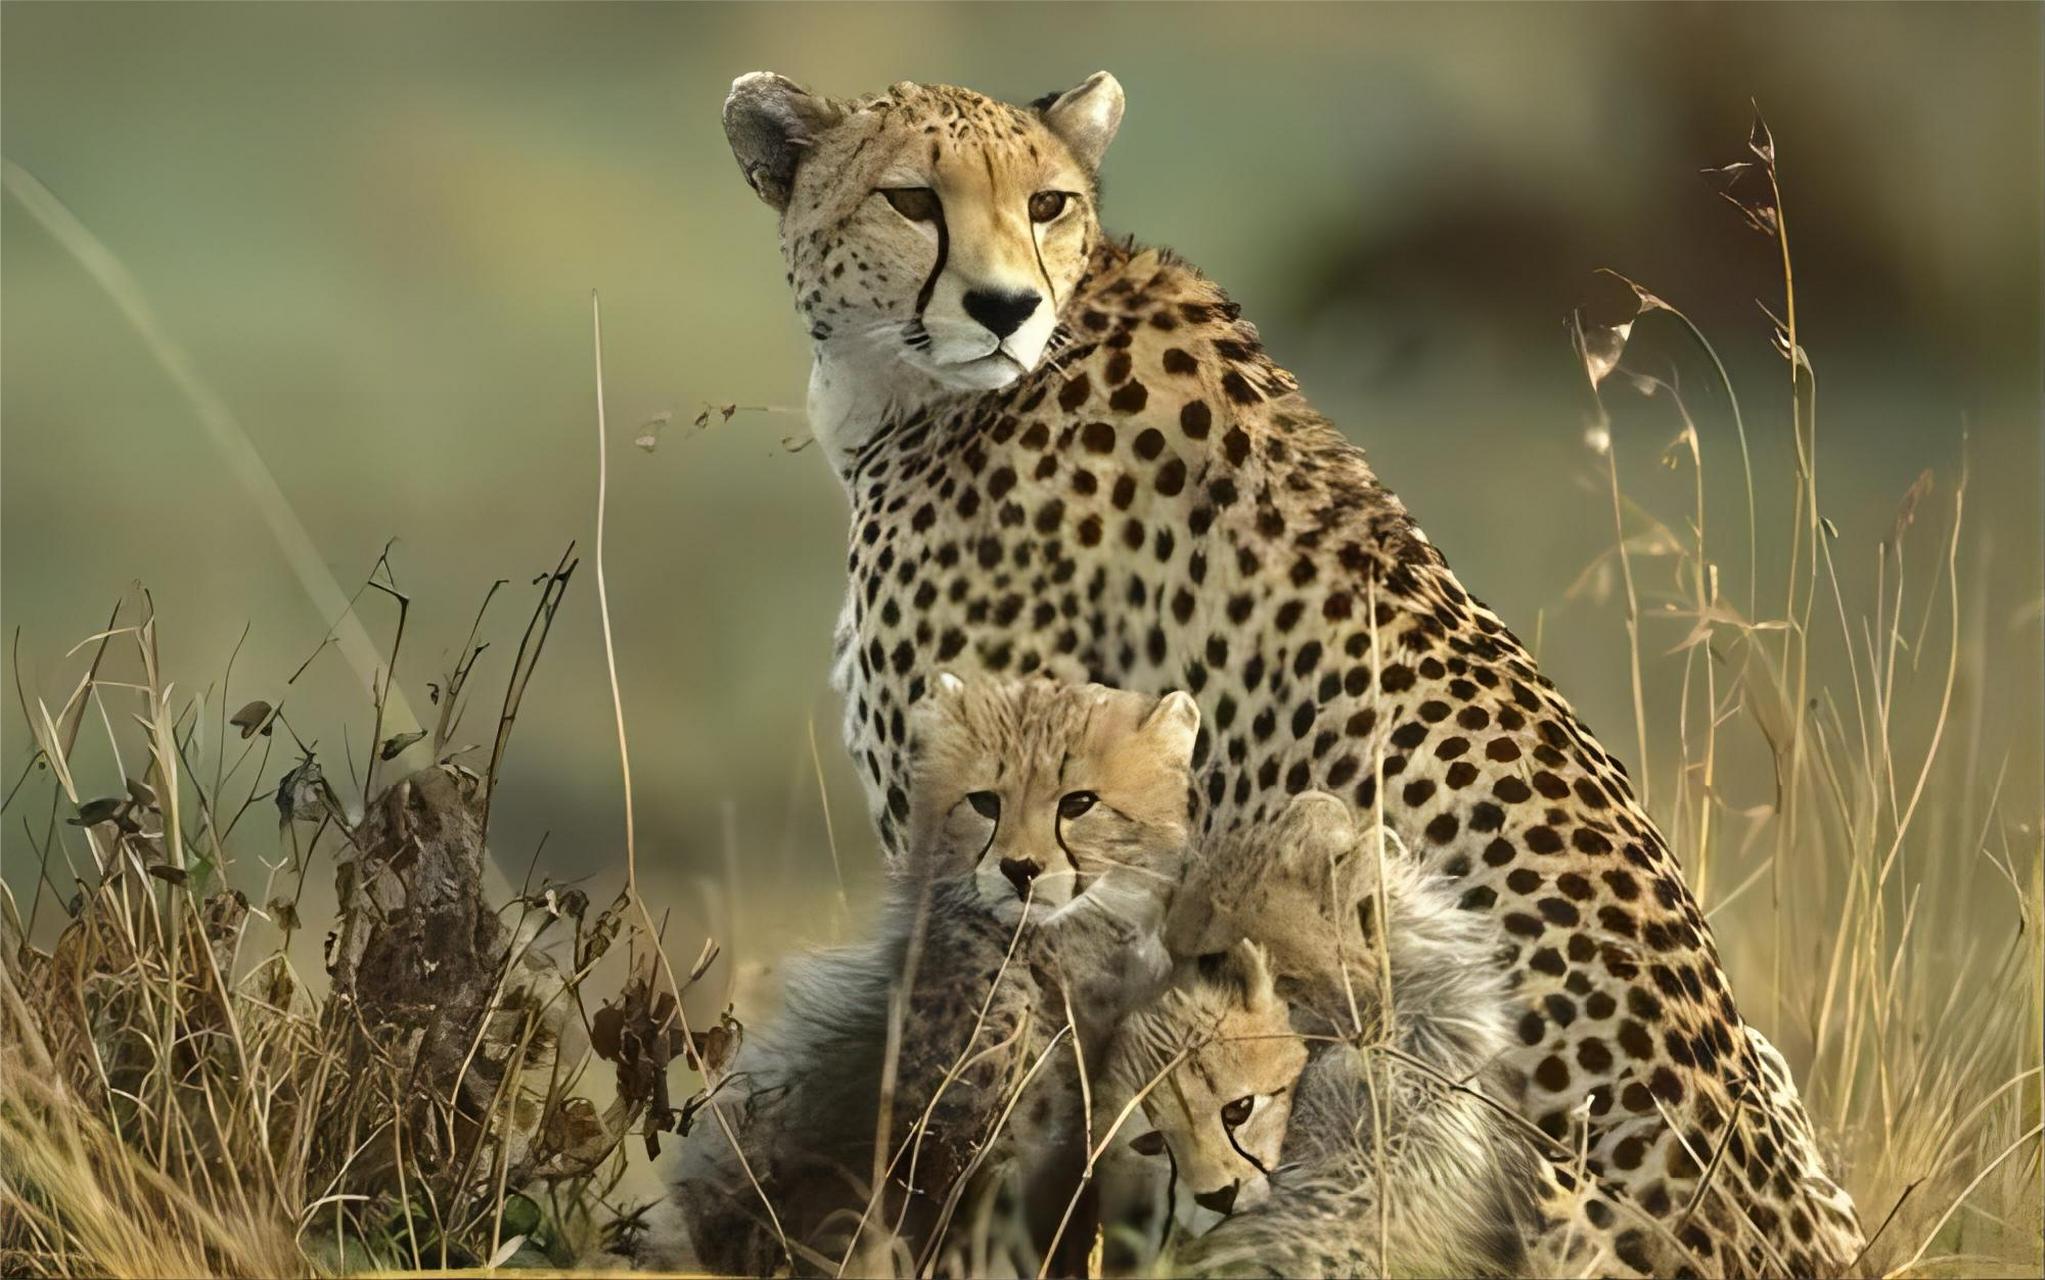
(1153, 505)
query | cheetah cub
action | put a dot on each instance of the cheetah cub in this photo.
(1387, 1159)
(1048, 828)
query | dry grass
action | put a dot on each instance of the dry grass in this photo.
(176, 1098)
(1844, 821)
(179, 1100)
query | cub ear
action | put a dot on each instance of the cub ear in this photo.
(1174, 724)
(1244, 969)
(1085, 118)
(770, 121)
(1316, 841)
(935, 714)
(1318, 826)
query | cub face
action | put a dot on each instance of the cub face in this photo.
(1040, 791)
(1223, 1110)
(929, 228)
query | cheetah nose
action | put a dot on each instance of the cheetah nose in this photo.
(1220, 1201)
(1001, 313)
(1020, 871)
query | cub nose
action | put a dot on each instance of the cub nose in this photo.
(1001, 313)
(1020, 871)
(1220, 1201)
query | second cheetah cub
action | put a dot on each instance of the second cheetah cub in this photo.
(1388, 1158)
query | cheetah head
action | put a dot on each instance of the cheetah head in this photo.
(929, 232)
(1043, 792)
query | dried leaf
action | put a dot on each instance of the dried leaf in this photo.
(1754, 196)
(1794, 353)
(687, 1116)
(93, 812)
(1715, 615)
(140, 793)
(1906, 511)
(301, 793)
(1601, 346)
(1646, 300)
(713, 1050)
(704, 960)
(223, 914)
(285, 913)
(1760, 141)
(395, 746)
(172, 875)
(253, 719)
(606, 1032)
(577, 1132)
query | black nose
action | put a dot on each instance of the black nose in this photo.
(1220, 1201)
(1002, 313)
(1020, 871)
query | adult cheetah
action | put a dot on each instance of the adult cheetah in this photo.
(1069, 454)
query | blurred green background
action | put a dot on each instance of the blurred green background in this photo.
(375, 229)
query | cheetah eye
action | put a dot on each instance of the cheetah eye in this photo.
(1074, 803)
(917, 204)
(1238, 1112)
(986, 804)
(1149, 1144)
(1046, 205)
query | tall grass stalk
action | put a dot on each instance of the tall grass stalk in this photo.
(1898, 940)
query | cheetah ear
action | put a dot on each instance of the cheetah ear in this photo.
(1243, 968)
(770, 121)
(1251, 962)
(1174, 723)
(1085, 118)
(1318, 831)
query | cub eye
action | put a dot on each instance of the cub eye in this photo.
(1046, 205)
(986, 804)
(917, 204)
(1074, 803)
(1149, 1144)
(1238, 1112)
